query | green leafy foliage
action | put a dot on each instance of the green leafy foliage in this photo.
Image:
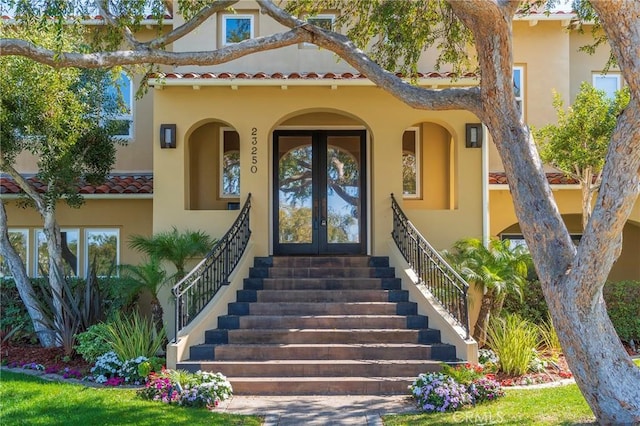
(532, 306)
(396, 33)
(513, 340)
(93, 342)
(174, 246)
(133, 336)
(623, 306)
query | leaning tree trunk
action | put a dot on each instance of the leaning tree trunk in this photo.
(41, 324)
(54, 250)
(480, 329)
(572, 281)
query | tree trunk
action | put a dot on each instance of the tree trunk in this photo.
(40, 322)
(498, 303)
(54, 249)
(480, 329)
(586, 188)
(156, 314)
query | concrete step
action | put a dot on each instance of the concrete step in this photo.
(321, 261)
(321, 385)
(322, 296)
(336, 308)
(322, 272)
(322, 284)
(314, 368)
(315, 321)
(233, 352)
(318, 336)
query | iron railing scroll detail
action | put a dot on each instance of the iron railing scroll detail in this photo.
(444, 283)
(198, 287)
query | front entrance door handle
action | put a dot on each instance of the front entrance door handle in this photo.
(323, 222)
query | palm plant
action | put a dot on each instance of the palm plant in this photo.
(174, 246)
(496, 270)
(151, 277)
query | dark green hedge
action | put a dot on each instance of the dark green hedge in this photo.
(622, 299)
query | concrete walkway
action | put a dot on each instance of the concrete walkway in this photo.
(319, 410)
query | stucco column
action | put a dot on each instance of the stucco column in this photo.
(385, 171)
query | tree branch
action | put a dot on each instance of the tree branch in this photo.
(189, 26)
(24, 185)
(619, 189)
(103, 7)
(27, 49)
(416, 97)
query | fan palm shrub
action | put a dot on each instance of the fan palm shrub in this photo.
(496, 270)
(148, 276)
(174, 246)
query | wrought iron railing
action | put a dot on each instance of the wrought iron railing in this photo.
(198, 287)
(445, 284)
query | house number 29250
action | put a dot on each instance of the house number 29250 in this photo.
(254, 150)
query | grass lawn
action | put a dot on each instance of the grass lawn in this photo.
(29, 400)
(563, 405)
(549, 406)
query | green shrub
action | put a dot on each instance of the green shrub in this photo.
(532, 307)
(549, 340)
(132, 337)
(513, 340)
(623, 306)
(93, 342)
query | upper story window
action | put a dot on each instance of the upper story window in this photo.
(609, 83)
(518, 88)
(118, 101)
(325, 21)
(236, 28)
(411, 163)
(229, 163)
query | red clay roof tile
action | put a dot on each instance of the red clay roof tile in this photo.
(296, 75)
(115, 184)
(500, 178)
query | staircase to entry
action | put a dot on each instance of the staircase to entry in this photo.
(320, 326)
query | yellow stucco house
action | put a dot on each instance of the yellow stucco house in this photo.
(320, 149)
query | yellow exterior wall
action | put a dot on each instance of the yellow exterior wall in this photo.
(627, 267)
(130, 216)
(267, 108)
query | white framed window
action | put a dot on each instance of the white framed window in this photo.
(70, 251)
(236, 28)
(229, 163)
(325, 21)
(118, 102)
(609, 83)
(19, 239)
(411, 163)
(102, 250)
(518, 88)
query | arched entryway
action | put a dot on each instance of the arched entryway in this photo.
(319, 186)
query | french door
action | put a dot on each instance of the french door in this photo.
(319, 192)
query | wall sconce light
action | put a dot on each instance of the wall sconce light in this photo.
(474, 135)
(167, 136)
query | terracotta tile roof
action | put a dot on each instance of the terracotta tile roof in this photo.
(115, 184)
(297, 75)
(500, 178)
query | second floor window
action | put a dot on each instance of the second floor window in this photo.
(118, 104)
(518, 88)
(236, 28)
(609, 83)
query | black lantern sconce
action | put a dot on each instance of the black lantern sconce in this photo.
(474, 135)
(167, 136)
